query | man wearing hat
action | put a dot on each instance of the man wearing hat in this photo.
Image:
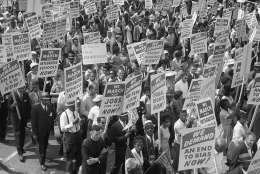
(42, 126)
(244, 160)
(126, 67)
(27, 64)
(150, 149)
(120, 138)
(24, 105)
(70, 126)
(72, 60)
(94, 112)
(35, 95)
(256, 70)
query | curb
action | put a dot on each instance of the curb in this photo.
(7, 169)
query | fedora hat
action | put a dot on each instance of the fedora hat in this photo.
(33, 64)
(245, 157)
(97, 98)
(70, 103)
(148, 123)
(123, 114)
(45, 95)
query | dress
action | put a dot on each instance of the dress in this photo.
(165, 141)
(226, 130)
(129, 35)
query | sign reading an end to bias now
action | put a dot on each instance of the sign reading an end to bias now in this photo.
(132, 95)
(158, 92)
(197, 148)
(11, 77)
(73, 82)
(49, 62)
(112, 102)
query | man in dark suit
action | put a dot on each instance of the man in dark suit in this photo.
(24, 105)
(117, 43)
(94, 152)
(150, 149)
(120, 139)
(244, 160)
(126, 67)
(42, 126)
(192, 74)
(245, 147)
(27, 64)
(4, 115)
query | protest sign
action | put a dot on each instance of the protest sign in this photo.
(254, 96)
(56, 5)
(214, 8)
(254, 166)
(198, 43)
(74, 9)
(21, 46)
(256, 35)
(210, 2)
(235, 11)
(94, 53)
(227, 13)
(184, 10)
(164, 161)
(209, 71)
(153, 52)
(251, 20)
(148, 4)
(34, 6)
(186, 30)
(238, 54)
(118, 2)
(240, 28)
(91, 38)
(197, 148)
(112, 12)
(90, 8)
(131, 53)
(54, 30)
(34, 26)
(23, 5)
(8, 43)
(45, 7)
(49, 62)
(133, 87)
(221, 24)
(195, 7)
(206, 112)
(176, 3)
(65, 6)
(246, 59)
(3, 58)
(63, 15)
(159, 5)
(218, 53)
(223, 37)
(158, 93)
(193, 94)
(208, 89)
(48, 15)
(139, 50)
(11, 77)
(237, 77)
(203, 11)
(73, 82)
(112, 101)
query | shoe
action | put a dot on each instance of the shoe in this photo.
(4, 141)
(21, 158)
(27, 128)
(33, 141)
(48, 160)
(24, 151)
(44, 168)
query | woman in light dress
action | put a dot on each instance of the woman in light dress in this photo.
(32, 75)
(165, 135)
(129, 36)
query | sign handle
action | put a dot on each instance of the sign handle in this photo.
(237, 92)
(23, 69)
(17, 109)
(242, 89)
(107, 122)
(253, 118)
(159, 131)
(44, 85)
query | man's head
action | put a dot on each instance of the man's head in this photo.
(21, 90)
(71, 57)
(120, 73)
(34, 55)
(184, 77)
(257, 67)
(250, 139)
(92, 76)
(75, 41)
(95, 132)
(71, 105)
(92, 89)
(35, 86)
(101, 122)
(45, 98)
(242, 117)
(124, 117)
(98, 100)
(254, 47)
(149, 128)
(183, 116)
(220, 145)
(193, 69)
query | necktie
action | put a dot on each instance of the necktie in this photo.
(45, 109)
(151, 140)
(21, 96)
(249, 151)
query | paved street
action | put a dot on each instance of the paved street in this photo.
(9, 157)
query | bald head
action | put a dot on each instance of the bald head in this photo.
(220, 144)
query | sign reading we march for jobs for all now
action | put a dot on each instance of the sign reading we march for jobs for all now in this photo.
(21, 46)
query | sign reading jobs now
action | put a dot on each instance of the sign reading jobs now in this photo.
(73, 82)
(11, 77)
(197, 147)
(49, 62)
(112, 102)
(133, 89)
(158, 93)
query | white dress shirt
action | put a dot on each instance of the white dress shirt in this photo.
(238, 132)
(178, 126)
(181, 86)
(93, 114)
(218, 162)
(68, 126)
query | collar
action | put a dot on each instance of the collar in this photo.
(19, 93)
(245, 172)
(150, 137)
(247, 145)
(121, 123)
(43, 106)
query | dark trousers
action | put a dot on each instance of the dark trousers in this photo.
(19, 134)
(42, 144)
(118, 162)
(4, 114)
(176, 157)
(84, 128)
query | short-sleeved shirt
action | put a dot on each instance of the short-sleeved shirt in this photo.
(178, 126)
(93, 114)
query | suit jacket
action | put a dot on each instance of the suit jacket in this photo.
(149, 149)
(127, 71)
(237, 170)
(93, 149)
(27, 67)
(42, 121)
(190, 77)
(24, 107)
(241, 149)
(33, 97)
(119, 139)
